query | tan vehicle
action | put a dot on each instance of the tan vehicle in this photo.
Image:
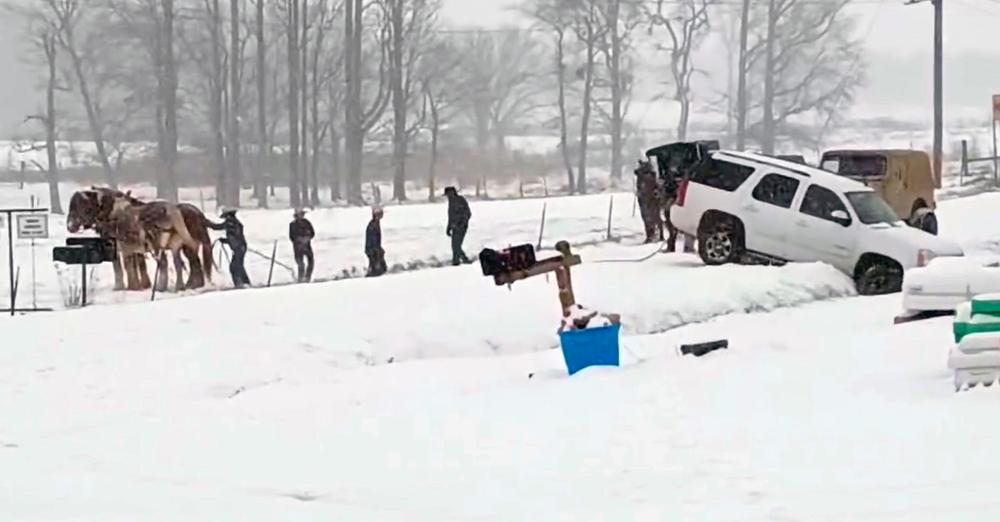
(904, 179)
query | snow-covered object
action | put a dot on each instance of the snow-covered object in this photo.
(976, 360)
(581, 318)
(986, 304)
(967, 322)
(947, 281)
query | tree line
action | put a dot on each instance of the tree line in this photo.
(315, 84)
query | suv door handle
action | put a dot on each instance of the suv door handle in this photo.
(802, 223)
(750, 208)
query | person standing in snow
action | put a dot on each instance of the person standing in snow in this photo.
(237, 242)
(301, 234)
(373, 244)
(650, 198)
(459, 215)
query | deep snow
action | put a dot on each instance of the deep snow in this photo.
(281, 404)
(803, 418)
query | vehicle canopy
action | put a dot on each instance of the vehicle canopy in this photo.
(904, 178)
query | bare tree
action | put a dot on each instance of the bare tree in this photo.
(589, 31)
(263, 145)
(43, 28)
(359, 118)
(408, 23)
(555, 15)
(809, 62)
(293, 98)
(687, 24)
(234, 178)
(69, 15)
(442, 90)
(620, 18)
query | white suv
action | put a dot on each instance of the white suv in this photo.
(740, 204)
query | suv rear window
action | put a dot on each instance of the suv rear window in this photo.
(777, 190)
(722, 175)
(860, 166)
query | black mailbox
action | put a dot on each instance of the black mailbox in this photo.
(85, 251)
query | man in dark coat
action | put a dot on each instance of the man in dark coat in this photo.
(237, 242)
(301, 234)
(373, 245)
(459, 215)
(650, 197)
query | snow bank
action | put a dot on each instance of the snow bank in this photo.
(450, 312)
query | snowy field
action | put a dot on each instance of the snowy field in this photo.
(408, 397)
(413, 237)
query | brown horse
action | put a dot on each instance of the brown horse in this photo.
(91, 210)
(157, 227)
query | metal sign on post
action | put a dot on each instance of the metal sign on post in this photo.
(33, 226)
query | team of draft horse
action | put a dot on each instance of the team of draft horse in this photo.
(139, 228)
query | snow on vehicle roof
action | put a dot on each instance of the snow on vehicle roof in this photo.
(828, 179)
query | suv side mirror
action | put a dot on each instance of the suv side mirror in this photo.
(840, 217)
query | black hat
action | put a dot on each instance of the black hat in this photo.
(450, 190)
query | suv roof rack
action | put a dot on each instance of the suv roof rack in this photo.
(767, 160)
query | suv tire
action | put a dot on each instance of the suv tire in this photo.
(879, 277)
(720, 241)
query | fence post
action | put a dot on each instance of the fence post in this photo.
(611, 208)
(541, 228)
(996, 166)
(270, 271)
(964, 170)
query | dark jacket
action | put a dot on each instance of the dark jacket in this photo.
(373, 237)
(459, 212)
(234, 231)
(300, 231)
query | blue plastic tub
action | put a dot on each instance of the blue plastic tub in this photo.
(590, 347)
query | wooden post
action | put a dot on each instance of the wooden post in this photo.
(564, 280)
(996, 162)
(964, 170)
(83, 286)
(270, 271)
(541, 228)
(611, 208)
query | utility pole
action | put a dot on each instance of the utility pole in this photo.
(741, 94)
(938, 82)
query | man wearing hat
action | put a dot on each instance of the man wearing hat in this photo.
(301, 233)
(373, 244)
(458, 224)
(237, 242)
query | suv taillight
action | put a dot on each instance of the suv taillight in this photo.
(682, 191)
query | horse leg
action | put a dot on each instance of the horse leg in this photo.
(140, 262)
(161, 272)
(116, 264)
(133, 280)
(196, 276)
(178, 269)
